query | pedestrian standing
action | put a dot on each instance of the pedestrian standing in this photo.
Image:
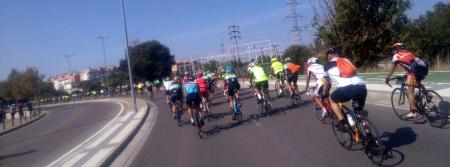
(21, 112)
(13, 111)
(30, 109)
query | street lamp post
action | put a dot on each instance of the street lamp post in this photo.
(133, 97)
(102, 38)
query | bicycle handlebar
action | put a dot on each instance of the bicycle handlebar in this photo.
(395, 78)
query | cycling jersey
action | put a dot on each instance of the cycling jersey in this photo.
(232, 83)
(202, 84)
(317, 71)
(277, 67)
(332, 71)
(167, 84)
(174, 88)
(258, 74)
(405, 59)
(191, 88)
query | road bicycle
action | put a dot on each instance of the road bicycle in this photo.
(296, 98)
(237, 113)
(265, 106)
(427, 103)
(326, 117)
(178, 112)
(205, 108)
(359, 130)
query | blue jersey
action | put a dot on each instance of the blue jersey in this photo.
(191, 87)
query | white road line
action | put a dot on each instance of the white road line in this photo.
(124, 132)
(126, 116)
(98, 157)
(74, 160)
(104, 136)
(87, 140)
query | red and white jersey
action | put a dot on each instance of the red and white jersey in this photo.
(316, 70)
(404, 58)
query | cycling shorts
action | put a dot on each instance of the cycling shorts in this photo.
(204, 94)
(262, 84)
(356, 93)
(193, 100)
(279, 76)
(319, 89)
(292, 79)
(175, 97)
(232, 87)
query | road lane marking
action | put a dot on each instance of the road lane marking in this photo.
(74, 160)
(87, 140)
(98, 157)
(126, 116)
(124, 132)
(104, 136)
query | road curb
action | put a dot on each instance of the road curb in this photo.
(125, 143)
(23, 125)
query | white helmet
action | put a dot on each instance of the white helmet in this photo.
(312, 60)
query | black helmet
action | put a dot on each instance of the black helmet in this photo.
(333, 50)
(191, 78)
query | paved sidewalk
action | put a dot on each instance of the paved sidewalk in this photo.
(9, 124)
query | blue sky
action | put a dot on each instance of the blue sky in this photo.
(40, 33)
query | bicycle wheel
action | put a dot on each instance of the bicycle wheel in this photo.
(372, 144)
(434, 112)
(178, 115)
(344, 136)
(400, 103)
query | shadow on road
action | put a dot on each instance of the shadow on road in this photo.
(2, 157)
(401, 136)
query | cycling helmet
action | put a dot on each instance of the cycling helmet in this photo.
(191, 78)
(312, 60)
(333, 51)
(186, 73)
(199, 75)
(167, 79)
(251, 65)
(397, 46)
(229, 69)
(288, 59)
(273, 60)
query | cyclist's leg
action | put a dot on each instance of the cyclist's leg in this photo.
(257, 89)
(265, 88)
(294, 80)
(317, 93)
(189, 104)
(359, 100)
(289, 86)
(411, 82)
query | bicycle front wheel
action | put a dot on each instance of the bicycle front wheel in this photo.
(434, 110)
(373, 146)
(400, 103)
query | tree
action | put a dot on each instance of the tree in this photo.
(90, 85)
(363, 29)
(429, 35)
(299, 54)
(21, 86)
(149, 61)
(211, 66)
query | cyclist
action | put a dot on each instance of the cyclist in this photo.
(186, 77)
(261, 81)
(277, 70)
(175, 94)
(203, 88)
(416, 71)
(209, 82)
(167, 82)
(349, 85)
(231, 84)
(249, 74)
(191, 89)
(292, 76)
(316, 71)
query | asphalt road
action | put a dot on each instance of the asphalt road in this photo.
(291, 137)
(61, 130)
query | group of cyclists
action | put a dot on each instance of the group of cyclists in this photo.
(339, 70)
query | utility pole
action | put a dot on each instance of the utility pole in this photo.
(133, 97)
(235, 35)
(293, 16)
(68, 62)
(102, 38)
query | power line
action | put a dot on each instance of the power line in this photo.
(293, 16)
(235, 35)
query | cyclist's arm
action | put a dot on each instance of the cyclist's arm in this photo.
(391, 70)
(308, 77)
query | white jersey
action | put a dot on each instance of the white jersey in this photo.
(316, 70)
(167, 84)
(332, 71)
